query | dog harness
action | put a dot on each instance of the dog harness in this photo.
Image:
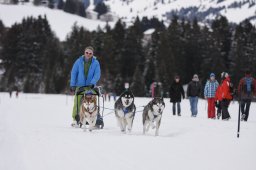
(92, 109)
(155, 116)
(125, 110)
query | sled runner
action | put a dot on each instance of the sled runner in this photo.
(88, 91)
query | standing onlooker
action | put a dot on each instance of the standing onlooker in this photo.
(10, 93)
(193, 92)
(225, 95)
(209, 94)
(176, 91)
(17, 93)
(246, 90)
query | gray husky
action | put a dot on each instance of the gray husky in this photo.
(125, 110)
(152, 115)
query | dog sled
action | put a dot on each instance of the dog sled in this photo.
(87, 90)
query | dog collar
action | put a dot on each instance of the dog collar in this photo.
(125, 110)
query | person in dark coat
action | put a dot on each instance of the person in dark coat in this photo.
(193, 92)
(246, 91)
(176, 91)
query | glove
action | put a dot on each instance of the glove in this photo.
(217, 103)
(91, 86)
(72, 89)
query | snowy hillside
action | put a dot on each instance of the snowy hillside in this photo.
(205, 10)
(60, 21)
(235, 10)
(35, 134)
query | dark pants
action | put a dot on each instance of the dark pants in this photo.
(245, 107)
(174, 108)
(224, 107)
(218, 105)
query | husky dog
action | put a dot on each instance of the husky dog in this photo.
(88, 111)
(125, 110)
(152, 114)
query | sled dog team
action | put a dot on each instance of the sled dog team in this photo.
(86, 72)
(124, 112)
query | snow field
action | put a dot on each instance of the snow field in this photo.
(35, 133)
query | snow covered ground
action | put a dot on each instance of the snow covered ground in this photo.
(35, 134)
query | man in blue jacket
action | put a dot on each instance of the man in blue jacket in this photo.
(85, 72)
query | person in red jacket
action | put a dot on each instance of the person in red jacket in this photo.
(225, 95)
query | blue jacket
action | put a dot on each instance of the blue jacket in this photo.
(78, 78)
(210, 89)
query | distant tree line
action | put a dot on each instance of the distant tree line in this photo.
(34, 60)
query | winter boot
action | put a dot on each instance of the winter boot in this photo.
(243, 117)
(218, 115)
(74, 124)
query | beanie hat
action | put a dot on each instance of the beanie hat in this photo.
(176, 77)
(212, 75)
(224, 75)
(195, 77)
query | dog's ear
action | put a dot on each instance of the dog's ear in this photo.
(131, 93)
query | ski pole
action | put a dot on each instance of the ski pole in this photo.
(205, 105)
(239, 111)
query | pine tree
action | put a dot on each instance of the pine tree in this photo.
(132, 53)
(151, 69)
(243, 51)
(101, 8)
(2, 33)
(61, 4)
(37, 2)
(138, 83)
(9, 55)
(70, 6)
(51, 4)
(118, 36)
(81, 9)
(25, 56)
(222, 34)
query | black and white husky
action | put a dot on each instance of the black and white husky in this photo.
(152, 115)
(125, 110)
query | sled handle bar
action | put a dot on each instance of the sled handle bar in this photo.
(81, 89)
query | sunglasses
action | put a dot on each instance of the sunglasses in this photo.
(88, 53)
